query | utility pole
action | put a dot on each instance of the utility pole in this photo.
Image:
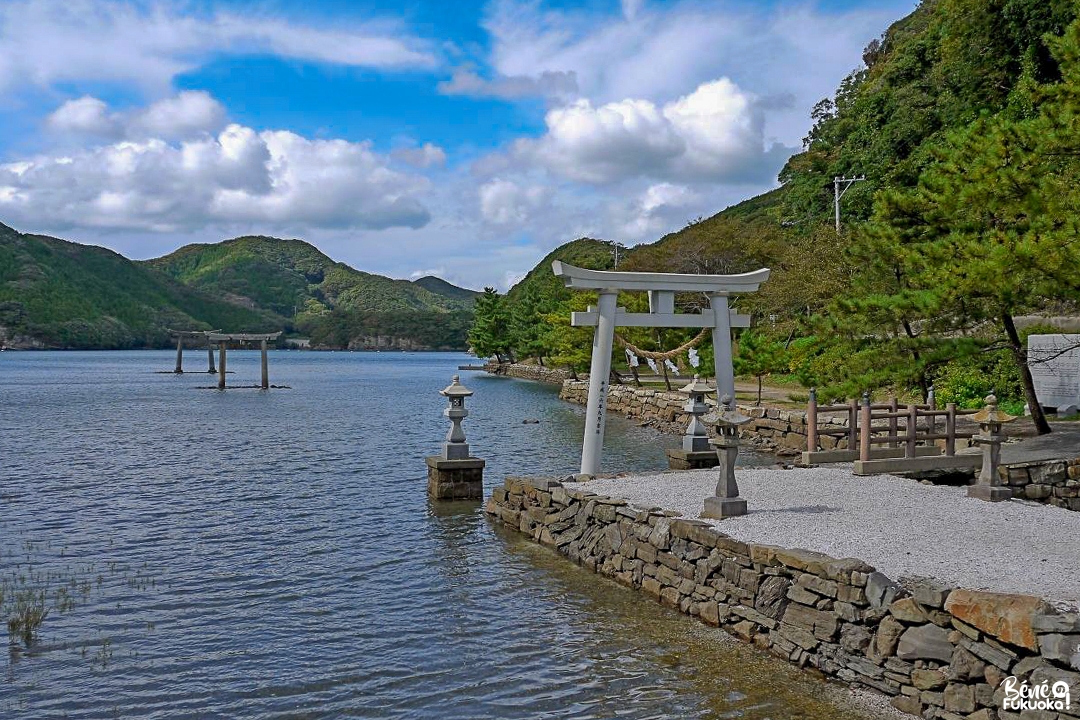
(847, 182)
(615, 249)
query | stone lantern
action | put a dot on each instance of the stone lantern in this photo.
(455, 474)
(726, 502)
(988, 485)
(455, 447)
(695, 452)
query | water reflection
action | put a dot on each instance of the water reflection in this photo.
(273, 554)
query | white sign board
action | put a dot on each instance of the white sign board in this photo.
(1055, 366)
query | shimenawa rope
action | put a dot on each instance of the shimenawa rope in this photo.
(662, 355)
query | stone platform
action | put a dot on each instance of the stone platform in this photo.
(900, 526)
(936, 649)
(455, 479)
(679, 459)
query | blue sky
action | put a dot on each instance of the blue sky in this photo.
(465, 139)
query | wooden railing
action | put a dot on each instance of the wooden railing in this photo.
(880, 437)
(912, 437)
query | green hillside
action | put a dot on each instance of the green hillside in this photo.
(541, 282)
(60, 294)
(291, 277)
(447, 290)
(55, 293)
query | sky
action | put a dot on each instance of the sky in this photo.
(462, 139)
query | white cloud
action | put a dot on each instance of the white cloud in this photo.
(425, 156)
(653, 211)
(503, 202)
(631, 8)
(46, 42)
(187, 114)
(547, 84)
(655, 51)
(268, 179)
(713, 134)
(86, 115)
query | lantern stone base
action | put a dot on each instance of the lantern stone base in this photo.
(989, 493)
(679, 459)
(455, 479)
(718, 508)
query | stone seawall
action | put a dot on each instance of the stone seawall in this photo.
(783, 432)
(1055, 482)
(772, 429)
(938, 652)
(554, 376)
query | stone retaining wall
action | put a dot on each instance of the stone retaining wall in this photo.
(939, 652)
(772, 429)
(784, 432)
(555, 376)
(1055, 482)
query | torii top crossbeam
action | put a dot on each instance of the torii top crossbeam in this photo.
(582, 279)
(223, 339)
(662, 288)
(243, 337)
(192, 333)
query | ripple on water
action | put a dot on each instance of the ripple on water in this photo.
(248, 554)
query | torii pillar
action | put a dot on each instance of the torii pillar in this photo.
(180, 335)
(662, 288)
(223, 339)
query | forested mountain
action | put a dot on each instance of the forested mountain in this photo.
(55, 293)
(964, 121)
(292, 277)
(452, 292)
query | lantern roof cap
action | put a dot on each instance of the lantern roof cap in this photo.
(730, 414)
(456, 389)
(991, 414)
(697, 385)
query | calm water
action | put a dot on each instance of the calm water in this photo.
(273, 554)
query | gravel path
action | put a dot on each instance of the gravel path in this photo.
(900, 526)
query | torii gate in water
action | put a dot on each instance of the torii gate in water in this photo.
(662, 288)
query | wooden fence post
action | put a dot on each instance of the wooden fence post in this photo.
(853, 424)
(894, 426)
(865, 428)
(950, 429)
(912, 429)
(811, 421)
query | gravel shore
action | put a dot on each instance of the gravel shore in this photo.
(903, 528)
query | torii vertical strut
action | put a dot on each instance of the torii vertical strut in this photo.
(223, 339)
(662, 288)
(180, 335)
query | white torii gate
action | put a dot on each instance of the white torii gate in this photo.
(662, 288)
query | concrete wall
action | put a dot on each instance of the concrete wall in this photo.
(938, 652)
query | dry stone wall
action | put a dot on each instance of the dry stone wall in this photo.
(1054, 483)
(555, 376)
(771, 429)
(938, 652)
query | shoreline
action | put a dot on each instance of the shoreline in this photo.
(196, 349)
(928, 647)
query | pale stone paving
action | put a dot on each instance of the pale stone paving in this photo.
(903, 528)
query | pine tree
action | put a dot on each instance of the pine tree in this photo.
(989, 231)
(759, 356)
(490, 333)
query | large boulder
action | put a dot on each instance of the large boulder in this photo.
(1005, 617)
